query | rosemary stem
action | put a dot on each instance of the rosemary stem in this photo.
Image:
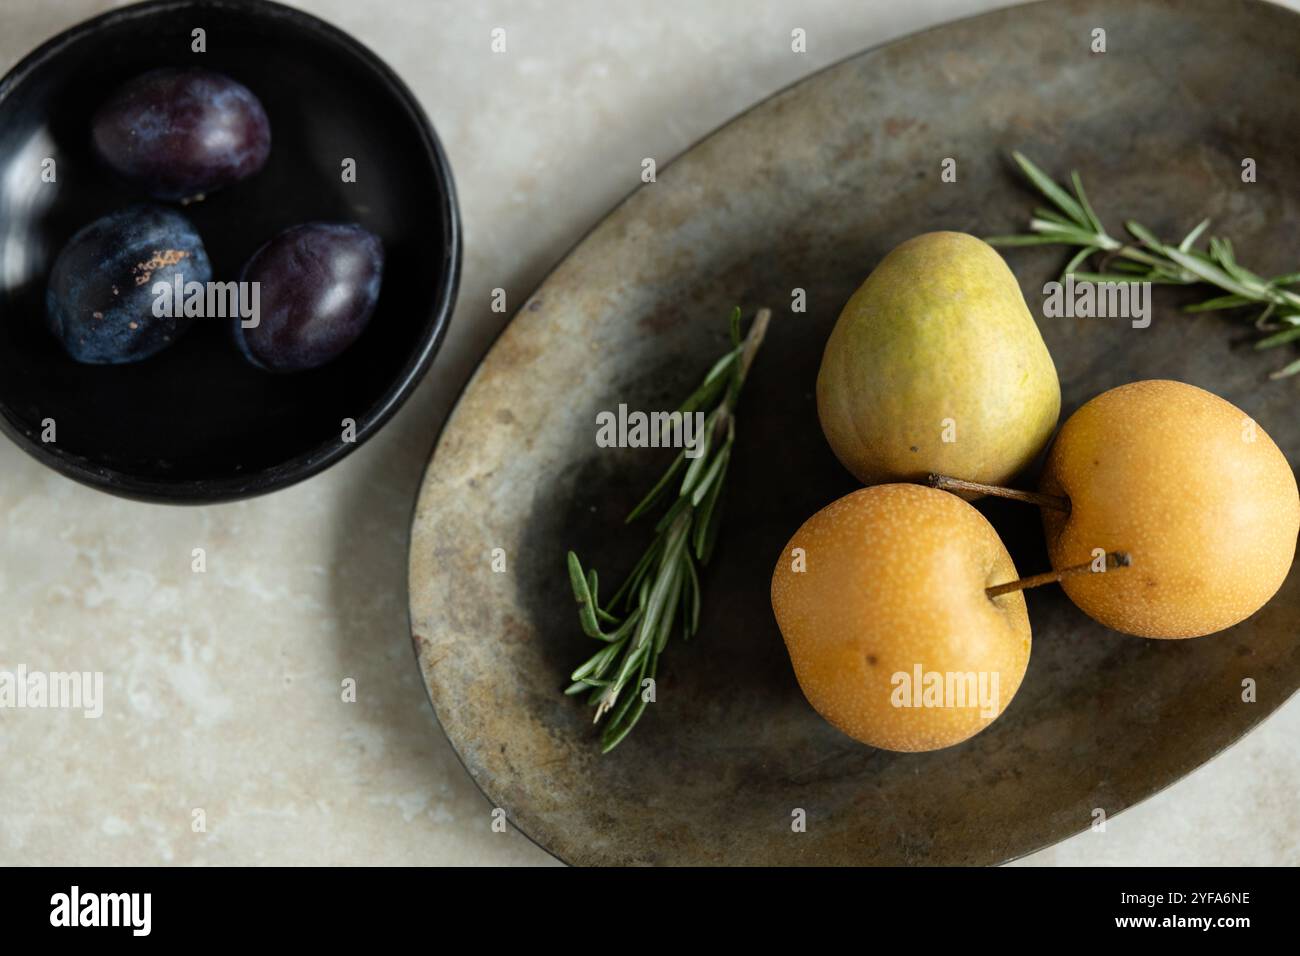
(757, 331)
(1074, 223)
(662, 593)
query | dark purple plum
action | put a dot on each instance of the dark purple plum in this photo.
(317, 288)
(178, 134)
(100, 300)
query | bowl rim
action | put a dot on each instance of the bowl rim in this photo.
(314, 460)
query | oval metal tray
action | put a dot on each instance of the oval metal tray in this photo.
(809, 190)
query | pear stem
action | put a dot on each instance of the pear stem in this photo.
(1114, 559)
(948, 483)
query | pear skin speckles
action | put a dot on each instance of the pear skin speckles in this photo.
(1194, 490)
(893, 579)
(936, 365)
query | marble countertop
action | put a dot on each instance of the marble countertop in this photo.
(224, 738)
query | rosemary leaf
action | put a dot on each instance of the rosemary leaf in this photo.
(1287, 370)
(1077, 260)
(1035, 240)
(652, 498)
(1108, 277)
(1083, 204)
(1190, 239)
(1064, 201)
(1219, 303)
(718, 467)
(1056, 217)
(1279, 338)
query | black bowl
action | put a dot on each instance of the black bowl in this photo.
(196, 423)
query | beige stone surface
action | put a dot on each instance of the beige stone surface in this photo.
(222, 689)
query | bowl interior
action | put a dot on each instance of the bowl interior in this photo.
(196, 421)
(809, 191)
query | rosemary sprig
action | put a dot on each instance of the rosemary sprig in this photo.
(1146, 258)
(663, 589)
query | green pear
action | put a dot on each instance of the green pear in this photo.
(936, 365)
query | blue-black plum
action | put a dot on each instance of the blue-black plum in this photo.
(100, 300)
(317, 288)
(178, 134)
